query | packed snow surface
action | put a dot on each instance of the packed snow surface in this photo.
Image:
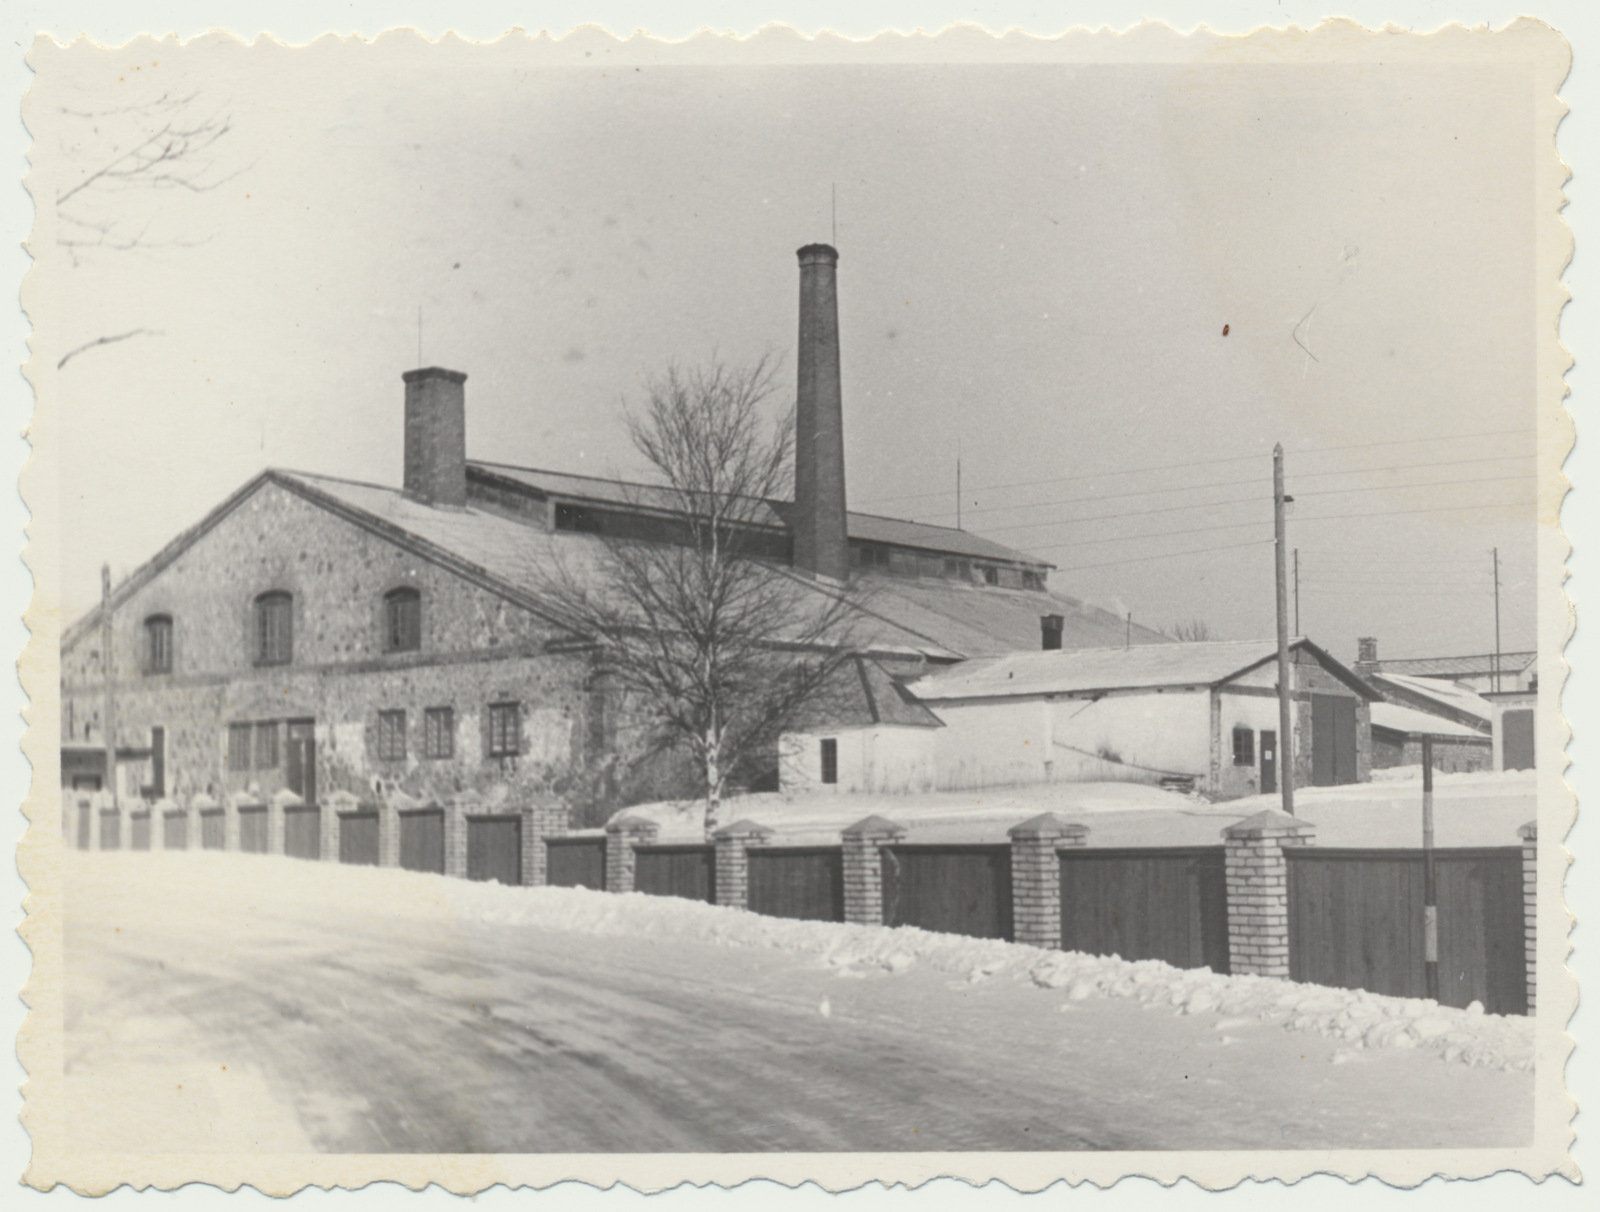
(271, 1005)
(1483, 809)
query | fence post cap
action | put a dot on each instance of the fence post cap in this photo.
(246, 799)
(286, 798)
(1529, 832)
(632, 824)
(201, 802)
(164, 805)
(1270, 822)
(746, 829)
(875, 827)
(1046, 826)
(343, 801)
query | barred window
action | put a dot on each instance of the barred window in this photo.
(266, 745)
(439, 733)
(1244, 747)
(402, 620)
(158, 644)
(274, 635)
(505, 729)
(392, 736)
(239, 746)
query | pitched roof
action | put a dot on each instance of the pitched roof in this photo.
(1201, 663)
(1459, 666)
(1419, 723)
(868, 527)
(1448, 694)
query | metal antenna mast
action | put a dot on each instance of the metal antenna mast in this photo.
(1496, 553)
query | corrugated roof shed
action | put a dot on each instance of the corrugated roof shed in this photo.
(1458, 666)
(1447, 693)
(1419, 723)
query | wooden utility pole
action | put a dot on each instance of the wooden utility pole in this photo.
(108, 672)
(1297, 630)
(1496, 553)
(1285, 736)
(1430, 892)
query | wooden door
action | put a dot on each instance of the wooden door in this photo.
(494, 849)
(1516, 740)
(1269, 761)
(1333, 740)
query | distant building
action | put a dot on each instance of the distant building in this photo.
(1480, 672)
(1201, 714)
(1398, 734)
(1513, 729)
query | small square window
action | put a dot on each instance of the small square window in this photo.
(830, 760)
(991, 576)
(239, 746)
(266, 745)
(505, 729)
(391, 736)
(1244, 747)
(439, 733)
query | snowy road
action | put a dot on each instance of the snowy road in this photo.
(213, 1003)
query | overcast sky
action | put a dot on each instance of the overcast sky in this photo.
(1037, 267)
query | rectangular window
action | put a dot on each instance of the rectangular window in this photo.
(391, 736)
(158, 644)
(274, 629)
(991, 576)
(439, 733)
(403, 621)
(266, 745)
(239, 746)
(830, 760)
(505, 729)
(1244, 747)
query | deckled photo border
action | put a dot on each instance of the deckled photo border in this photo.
(40, 1044)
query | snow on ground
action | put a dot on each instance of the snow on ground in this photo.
(1482, 809)
(380, 1009)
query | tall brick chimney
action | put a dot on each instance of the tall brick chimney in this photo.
(1367, 655)
(820, 543)
(436, 436)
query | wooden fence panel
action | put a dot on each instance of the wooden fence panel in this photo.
(952, 889)
(422, 840)
(213, 829)
(253, 830)
(494, 849)
(139, 831)
(1165, 904)
(175, 831)
(576, 862)
(1355, 921)
(358, 838)
(302, 832)
(686, 871)
(802, 882)
(110, 829)
(85, 827)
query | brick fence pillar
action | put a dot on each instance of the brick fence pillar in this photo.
(538, 823)
(863, 868)
(462, 805)
(106, 826)
(158, 823)
(1036, 877)
(230, 818)
(1258, 890)
(193, 830)
(276, 806)
(388, 833)
(733, 863)
(1529, 834)
(622, 835)
(328, 822)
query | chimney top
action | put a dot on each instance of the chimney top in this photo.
(818, 252)
(433, 372)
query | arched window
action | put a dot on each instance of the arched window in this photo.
(158, 644)
(274, 629)
(402, 620)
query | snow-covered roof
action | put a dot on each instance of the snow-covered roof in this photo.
(1479, 665)
(1198, 663)
(1440, 690)
(1409, 720)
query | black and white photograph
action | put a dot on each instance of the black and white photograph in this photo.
(636, 611)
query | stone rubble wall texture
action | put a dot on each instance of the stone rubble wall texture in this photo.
(1311, 678)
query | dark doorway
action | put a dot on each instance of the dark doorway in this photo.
(1333, 740)
(1269, 761)
(1516, 745)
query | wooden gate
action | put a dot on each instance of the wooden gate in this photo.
(302, 832)
(139, 831)
(687, 871)
(358, 838)
(953, 889)
(1333, 740)
(1355, 921)
(1166, 904)
(576, 862)
(494, 848)
(797, 881)
(253, 830)
(422, 840)
(213, 829)
(110, 829)
(175, 831)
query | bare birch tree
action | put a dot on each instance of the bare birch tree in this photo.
(716, 643)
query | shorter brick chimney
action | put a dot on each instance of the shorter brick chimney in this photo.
(436, 436)
(1050, 628)
(1367, 655)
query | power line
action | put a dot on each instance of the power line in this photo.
(1488, 433)
(1171, 555)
